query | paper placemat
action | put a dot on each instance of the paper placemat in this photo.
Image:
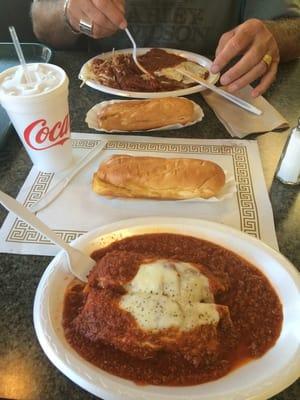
(78, 209)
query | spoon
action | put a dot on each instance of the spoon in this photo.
(79, 263)
(134, 54)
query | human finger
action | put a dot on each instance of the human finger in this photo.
(112, 12)
(223, 41)
(235, 46)
(100, 31)
(87, 11)
(99, 18)
(74, 13)
(120, 4)
(251, 58)
(266, 81)
(256, 72)
(100, 23)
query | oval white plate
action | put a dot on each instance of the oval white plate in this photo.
(92, 118)
(259, 379)
(205, 62)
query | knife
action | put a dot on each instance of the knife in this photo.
(234, 99)
(60, 185)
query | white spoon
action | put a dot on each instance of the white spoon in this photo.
(79, 263)
(134, 54)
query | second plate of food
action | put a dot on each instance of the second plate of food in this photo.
(143, 115)
(115, 73)
(259, 294)
(146, 180)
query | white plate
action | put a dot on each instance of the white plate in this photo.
(205, 62)
(259, 379)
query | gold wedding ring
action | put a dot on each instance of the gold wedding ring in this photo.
(86, 27)
(267, 59)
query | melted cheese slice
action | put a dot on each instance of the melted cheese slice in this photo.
(193, 68)
(166, 294)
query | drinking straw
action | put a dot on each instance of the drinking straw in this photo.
(19, 51)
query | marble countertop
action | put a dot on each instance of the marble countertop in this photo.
(25, 372)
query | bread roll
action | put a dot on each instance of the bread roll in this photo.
(138, 115)
(160, 178)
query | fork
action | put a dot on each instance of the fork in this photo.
(234, 99)
(134, 54)
(79, 263)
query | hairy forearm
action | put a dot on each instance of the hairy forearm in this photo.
(287, 35)
(49, 24)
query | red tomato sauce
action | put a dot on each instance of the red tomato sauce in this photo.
(255, 311)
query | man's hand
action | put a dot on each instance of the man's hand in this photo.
(107, 16)
(252, 40)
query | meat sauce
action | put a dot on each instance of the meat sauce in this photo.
(121, 72)
(157, 59)
(255, 311)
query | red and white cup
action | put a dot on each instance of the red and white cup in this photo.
(40, 113)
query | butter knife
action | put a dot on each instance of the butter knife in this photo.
(234, 99)
(60, 185)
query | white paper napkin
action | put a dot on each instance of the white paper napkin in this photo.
(240, 123)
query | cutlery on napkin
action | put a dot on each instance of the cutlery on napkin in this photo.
(220, 92)
(241, 124)
(60, 185)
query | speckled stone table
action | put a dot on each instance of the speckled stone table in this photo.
(25, 372)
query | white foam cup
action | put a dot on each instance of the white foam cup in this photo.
(40, 113)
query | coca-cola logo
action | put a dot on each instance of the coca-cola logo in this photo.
(39, 136)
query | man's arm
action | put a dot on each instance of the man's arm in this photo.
(287, 35)
(49, 23)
